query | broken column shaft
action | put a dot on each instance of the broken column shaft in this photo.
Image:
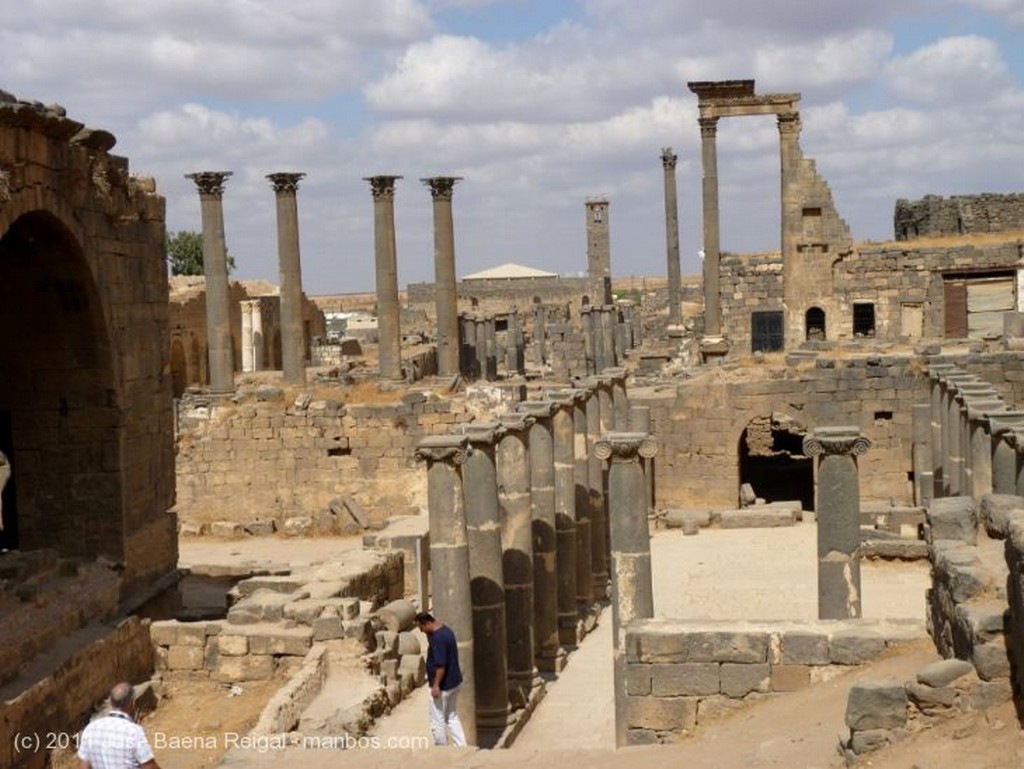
(293, 338)
(389, 331)
(446, 299)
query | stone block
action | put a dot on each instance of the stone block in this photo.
(232, 645)
(876, 705)
(790, 678)
(930, 698)
(869, 740)
(722, 646)
(291, 641)
(684, 679)
(252, 667)
(262, 606)
(174, 633)
(298, 526)
(953, 518)
(716, 706)
(668, 714)
(758, 517)
(944, 672)
(991, 660)
(414, 664)
(260, 528)
(804, 648)
(987, 620)
(226, 530)
(641, 737)
(638, 679)
(986, 694)
(185, 657)
(855, 647)
(740, 680)
(653, 646)
(995, 511)
(327, 628)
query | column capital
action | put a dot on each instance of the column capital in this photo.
(515, 421)
(441, 186)
(537, 409)
(789, 123)
(708, 127)
(481, 433)
(623, 447)
(668, 158)
(210, 182)
(285, 181)
(562, 398)
(452, 449)
(382, 187)
(1004, 421)
(836, 440)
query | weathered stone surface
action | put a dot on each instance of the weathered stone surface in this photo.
(251, 667)
(327, 628)
(684, 679)
(876, 705)
(741, 680)
(292, 641)
(661, 713)
(642, 737)
(175, 633)
(232, 645)
(870, 740)
(653, 646)
(263, 528)
(852, 647)
(298, 526)
(415, 665)
(638, 679)
(944, 672)
(805, 648)
(930, 698)
(991, 660)
(226, 530)
(185, 657)
(995, 511)
(953, 518)
(758, 517)
(790, 678)
(986, 694)
(715, 646)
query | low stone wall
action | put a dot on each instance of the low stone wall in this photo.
(46, 714)
(683, 672)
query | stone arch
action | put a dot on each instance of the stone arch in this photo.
(814, 323)
(772, 461)
(179, 367)
(58, 393)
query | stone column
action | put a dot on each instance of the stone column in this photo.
(215, 269)
(247, 342)
(389, 330)
(513, 465)
(964, 393)
(611, 353)
(468, 346)
(549, 655)
(581, 481)
(293, 337)
(668, 163)
(1016, 439)
(838, 507)
(492, 349)
(539, 335)
(640, 422)
(620, 401)
(936, 371)
(1002, 428)
(791, 218)
(487, 584)
(632, 590)
(482, 356)
(258, 361)
(595, 492)
(565, 516)
(952, 463)
(979, 476)
(606, 403)
(587, 322)
(513, 345)
(449, 557)
(445, 294)
(921, 456)
(709, 164)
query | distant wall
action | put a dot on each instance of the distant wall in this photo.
(936, 216)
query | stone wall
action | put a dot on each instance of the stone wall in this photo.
(265, 457)
(59, 704)
(681, 673)
(935, 216)
(496, 297)
(905, 285)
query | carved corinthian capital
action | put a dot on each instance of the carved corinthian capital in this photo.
(441, 186)
(708, 127)
(443, 448)
(210, 182)
(622, 447)
(789, 123)
(285, 181)
(668, 158)
(382, 187)
(836, 440)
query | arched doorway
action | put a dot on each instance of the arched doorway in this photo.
(772, 460)
(814, 322)
(59, 415)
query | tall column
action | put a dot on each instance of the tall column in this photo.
(921, 455)
(293, 338)
(979, 475)
(620, 401)
(1002, 428)
(668, 163)
(584, 558)
(449, 557)
(446, 297)
(486, 582)
(565, 515)
(640, 422)
(1016, 439)
(247, 341)
(632, 590)
(966, 392)
(389, 328)
(791, 218)
(599, 252)
(215, 269)
(539, 334)
(468, 346)
(595, 492)
(838, 508)
(481, 348)
(709, 188)
(587, 322)
(549, 655)
(935, 371)
(611, 353)
(513, 467)
(258, 362)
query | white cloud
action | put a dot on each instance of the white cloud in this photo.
(965, 70)
(1013, 10)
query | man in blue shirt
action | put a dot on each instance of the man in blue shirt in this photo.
(444, 676)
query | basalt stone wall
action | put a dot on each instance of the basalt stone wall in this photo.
(491, 297)
(905, 285)
(272, 459)
(936, 216)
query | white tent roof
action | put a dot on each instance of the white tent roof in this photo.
(509, 270)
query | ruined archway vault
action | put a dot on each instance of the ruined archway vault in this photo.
(85, 387)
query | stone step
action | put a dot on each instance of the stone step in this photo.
(759, 517)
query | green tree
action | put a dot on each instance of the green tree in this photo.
(185, 253)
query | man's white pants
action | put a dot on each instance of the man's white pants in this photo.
(444, 713)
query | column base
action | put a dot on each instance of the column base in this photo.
(569, 635)
(552, 662)
(599, 587)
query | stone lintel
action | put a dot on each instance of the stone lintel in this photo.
(983, 408)
(285, 181)
(623, 446)
(210, 182)
(440, 448)
(846, 439)
(709, 90)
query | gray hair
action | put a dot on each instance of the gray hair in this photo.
(122, 695)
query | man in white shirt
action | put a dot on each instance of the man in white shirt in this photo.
(115, 741)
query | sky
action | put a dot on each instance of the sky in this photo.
(537, 104)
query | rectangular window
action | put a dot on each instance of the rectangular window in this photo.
(863, 319)
(766, 332)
